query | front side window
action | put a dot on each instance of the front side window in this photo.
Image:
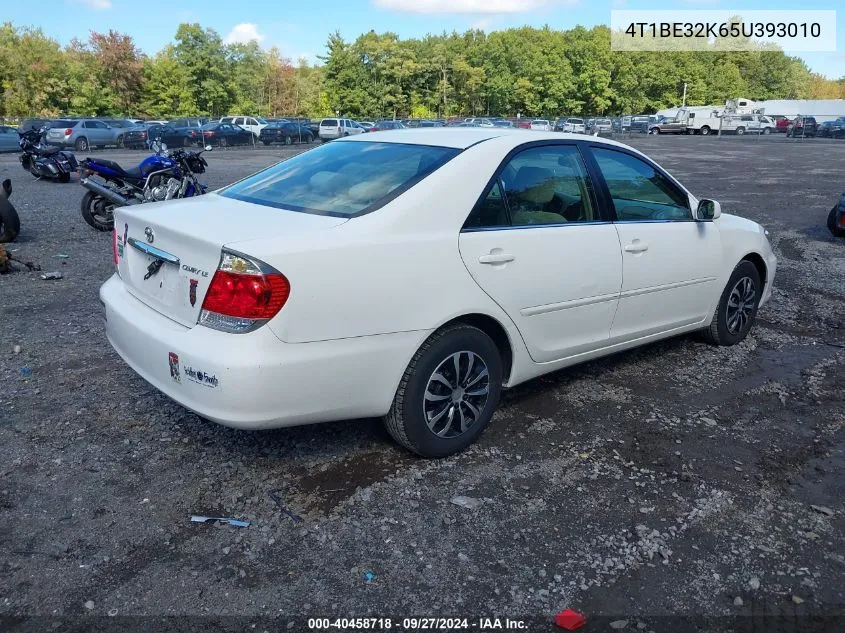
(341, 179)
(640, 192)
(548, 185)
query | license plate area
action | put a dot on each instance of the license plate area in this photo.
(154, 273)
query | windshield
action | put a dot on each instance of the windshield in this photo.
(343, 179)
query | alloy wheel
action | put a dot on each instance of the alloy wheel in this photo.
(456, 394)
(741, 304)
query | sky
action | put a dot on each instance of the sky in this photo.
(301, 28)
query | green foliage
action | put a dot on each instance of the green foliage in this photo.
(534, 72)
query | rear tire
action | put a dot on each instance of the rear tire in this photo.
(10, 222)
(438, 409)
(737, 307)
(81, 144)
(655, 131)
(97, 211)
(222, 143)
(120, 142)
(767, 130)
(740, 131)
(288, 140)
(831, 223)
(705, 130)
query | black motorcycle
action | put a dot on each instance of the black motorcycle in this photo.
(10, 223)
(44, 161)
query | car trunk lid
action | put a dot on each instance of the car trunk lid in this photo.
(168, 252)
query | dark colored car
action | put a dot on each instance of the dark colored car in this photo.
(169, 135)
(803, 126)
(836, 218)
(832, 129)
(286, 132)
(387, 125)
(225, 134)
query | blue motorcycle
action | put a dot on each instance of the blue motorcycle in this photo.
(166, 175)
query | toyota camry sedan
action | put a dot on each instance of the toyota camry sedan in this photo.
(414, 275)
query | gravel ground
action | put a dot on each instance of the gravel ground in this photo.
(675, 480)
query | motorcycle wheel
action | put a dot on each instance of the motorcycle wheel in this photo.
(10, 223)
(34, 171)
(97, 211)
(26, 161)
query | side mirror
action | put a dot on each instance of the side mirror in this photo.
(208, 148)
(708, 210)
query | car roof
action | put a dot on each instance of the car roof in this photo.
(463, 137)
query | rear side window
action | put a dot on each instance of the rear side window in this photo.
(341, 179)
(226, 119)
(329, 123)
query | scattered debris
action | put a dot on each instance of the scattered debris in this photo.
(570, 620)
(52, 275)
(26, 371)
(618, 624)
(236, 522)
(754, 583)
(368, 575)
(274, 495)
(112, 612)
(6, 259)
(738, 602)
(824, 510)
(470, 503)
(797, 599)
(89, 605)
(16, 349)
(63, 256)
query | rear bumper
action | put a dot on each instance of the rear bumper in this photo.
(255, 381)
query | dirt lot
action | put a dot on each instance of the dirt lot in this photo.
(676, 480)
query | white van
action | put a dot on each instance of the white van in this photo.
(338, 128)
(252, 123)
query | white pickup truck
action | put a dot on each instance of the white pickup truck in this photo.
(739, 124)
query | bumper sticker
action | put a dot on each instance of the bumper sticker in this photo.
(192, 291)
(200, 377)
(173, 359)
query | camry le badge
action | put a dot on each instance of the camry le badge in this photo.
(150, 235)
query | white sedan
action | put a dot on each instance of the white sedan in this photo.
(541, 125)
(414, 276)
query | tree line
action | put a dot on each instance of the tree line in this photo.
(529, 71)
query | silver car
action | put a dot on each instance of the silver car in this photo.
(9, 139)
(83, 134)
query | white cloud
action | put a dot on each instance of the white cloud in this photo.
(100, 5)
(467, 6)
(243, 33)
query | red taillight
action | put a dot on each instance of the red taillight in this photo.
(246, 296)
(208, 133)
(842, 220)
(68, 132)
(114, 247)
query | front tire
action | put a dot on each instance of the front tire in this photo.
(767, 130)
(222, 143)
(831, 223)
(448, 393)
(737, 307)
(97, 211)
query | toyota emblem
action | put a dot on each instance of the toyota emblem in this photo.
(151, 236)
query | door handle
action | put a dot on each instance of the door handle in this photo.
(496, 258)
(636, 247)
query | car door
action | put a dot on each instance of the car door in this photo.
(670, 262)
(538, 245)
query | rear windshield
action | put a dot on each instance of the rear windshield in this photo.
(344, 179)
(329, 123)
(63, 123)
(227, 119)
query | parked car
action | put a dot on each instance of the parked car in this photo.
(169, 135)
(803, 126)
(308, 316)
(9, 139)
(226, 134)
(137, 137)
(665, 125)
(782, 123)
(832, 129)
(367, 125)
(541, 125)
(285, 132)
(252, 123)
(502, 123)
(82, 134)
(638, 123)
(338, 128)
(387, 124)
(602, 126)
(574, 125)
